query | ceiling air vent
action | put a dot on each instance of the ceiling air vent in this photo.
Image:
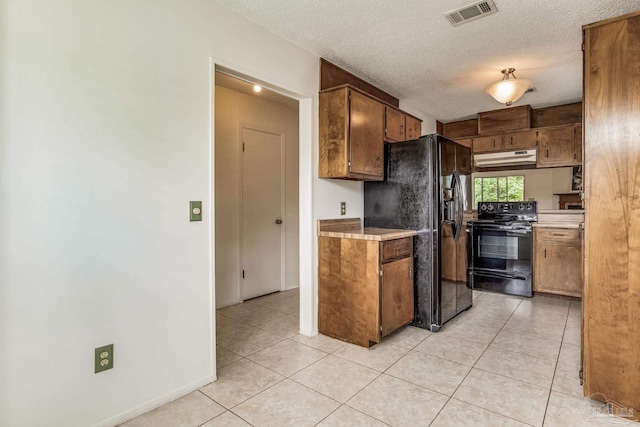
(471, 12)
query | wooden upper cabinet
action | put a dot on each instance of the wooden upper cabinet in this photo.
(505, 142)
(504, 120)
(394, 125)
(351, 136)
(487, 144)
(413, 128)
(559, 146)
(519, 140)
(366, 137)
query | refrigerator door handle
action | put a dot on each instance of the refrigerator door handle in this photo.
(459, 213)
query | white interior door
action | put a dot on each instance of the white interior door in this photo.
(262, 213)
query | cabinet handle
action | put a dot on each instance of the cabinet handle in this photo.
(410, 272)
(377, 161)
(575, 156)
(511, 140)
(547, 151)
(545, 253)
(494, 143)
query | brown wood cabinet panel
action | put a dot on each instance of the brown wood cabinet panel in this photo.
(519, 140)
(331, 76)
(366, 136)
(394, 125)
(504, 120)
(557, 115)
(460, 129)
(559, 234)
(557, 147)
(348, 290)
(467, 142)
(611, 303)
(354, 284)
(334, 128)
(559, 266)
(398, 248)
(396, 294)
(577, 141)
(487, 144)
(413, 128)
(351, 130)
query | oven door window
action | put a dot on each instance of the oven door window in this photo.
(502, 250)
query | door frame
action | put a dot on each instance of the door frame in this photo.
(307, 146)
(283, 166)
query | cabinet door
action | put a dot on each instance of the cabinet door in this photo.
(556, 147)
(519, 140)
(394, 125)
(414, 128)
(558, 268)
(366, 135)
(397, 294)
(487, 144)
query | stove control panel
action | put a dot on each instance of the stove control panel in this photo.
(521, 210)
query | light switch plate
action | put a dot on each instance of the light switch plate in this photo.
(195, 211)
(343, 208)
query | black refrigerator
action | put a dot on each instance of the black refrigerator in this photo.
(427, 188)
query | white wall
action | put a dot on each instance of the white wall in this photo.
(105, 121)
(540, 184)
(232, 109)
(428, 122)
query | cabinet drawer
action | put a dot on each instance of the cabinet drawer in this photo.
(558, 234)
(395, 249)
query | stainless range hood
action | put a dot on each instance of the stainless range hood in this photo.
(505, 158)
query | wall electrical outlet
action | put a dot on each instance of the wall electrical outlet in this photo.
(104, 358)
(343, 208)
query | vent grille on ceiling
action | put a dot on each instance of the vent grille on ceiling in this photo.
(471, 12)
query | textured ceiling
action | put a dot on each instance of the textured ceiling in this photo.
(409, 49)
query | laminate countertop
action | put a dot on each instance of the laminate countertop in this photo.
(554, 218)
(351, 228)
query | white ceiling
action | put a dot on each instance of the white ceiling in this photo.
(408, 48)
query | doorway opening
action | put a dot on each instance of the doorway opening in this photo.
(256, 191)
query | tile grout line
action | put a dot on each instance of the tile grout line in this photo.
(555, 369)
(472, 367)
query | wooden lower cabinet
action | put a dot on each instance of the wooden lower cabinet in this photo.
(557, 261)
(365, 288)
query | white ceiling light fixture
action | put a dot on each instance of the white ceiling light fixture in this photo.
(509, 89)
(257, 88)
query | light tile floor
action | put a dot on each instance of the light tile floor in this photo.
(506, 362)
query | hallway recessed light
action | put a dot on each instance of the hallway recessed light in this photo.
(257, 88)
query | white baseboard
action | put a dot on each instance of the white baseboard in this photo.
(155, 403)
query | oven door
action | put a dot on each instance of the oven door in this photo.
(500, 258)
